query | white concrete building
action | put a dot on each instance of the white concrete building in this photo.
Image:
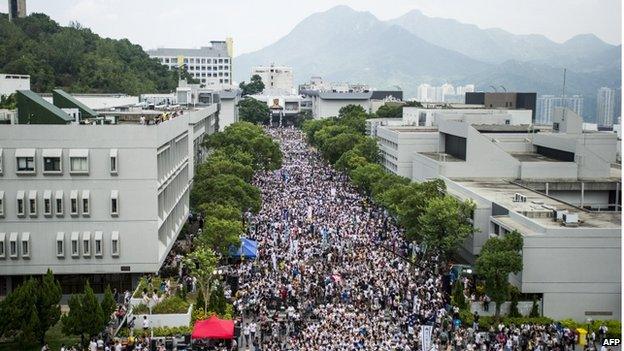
(605, 107)
(228, 112)
(546, 105)
(211, 65)
(10, 83)
(571, 257)
(103, 202)
(327, 104)
(278, 79)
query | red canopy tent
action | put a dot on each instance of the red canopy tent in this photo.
(213, 328)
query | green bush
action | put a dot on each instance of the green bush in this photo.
(158, 331)
(140, 309)
(143, 284)
(172, 304)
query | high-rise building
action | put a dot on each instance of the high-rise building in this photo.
(211, 65)
(546, 105)
(17, 9)
(605, 107)
(275, 78)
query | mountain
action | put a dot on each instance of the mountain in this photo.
(342, 44)
(496, 45)
(77, 60)
(346, 45)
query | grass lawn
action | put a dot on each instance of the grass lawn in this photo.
(54, 337)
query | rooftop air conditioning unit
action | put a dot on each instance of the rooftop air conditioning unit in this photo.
(519, 197)
(571, 219)
(558, 214)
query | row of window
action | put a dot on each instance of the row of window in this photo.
(19, 245)
(209, 68)
(195, 60)
(203, 74)
(52, 160)
(82, 246)
(55, 206)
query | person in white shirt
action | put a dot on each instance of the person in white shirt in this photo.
(145, 323)
(252, 330)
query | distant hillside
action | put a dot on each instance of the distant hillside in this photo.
(76, 59)
(342, 44)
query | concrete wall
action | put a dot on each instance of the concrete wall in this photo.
(166, 320)
(548, 170)
(329, 108)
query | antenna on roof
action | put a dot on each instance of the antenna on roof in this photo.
(503, 88)
(493, 87)
(563, 98)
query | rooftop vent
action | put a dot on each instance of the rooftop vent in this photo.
(558, 214)
(519, 197)
(570, 219)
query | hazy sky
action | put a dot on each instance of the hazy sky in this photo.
(256, 23)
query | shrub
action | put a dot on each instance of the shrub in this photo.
(140, 309)
(172, 304)
(534, 309)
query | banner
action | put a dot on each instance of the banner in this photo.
(425, 337)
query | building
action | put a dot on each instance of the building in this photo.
(546, 105)
(228, 112)
(426, 116)
(444, 93)
(327, 104)
(211, 65)
(503, 100)
(10, 83)
(318, 84)
(101, 199)
(605, 106)
(277, 79)
(17, 9)
(555, 185)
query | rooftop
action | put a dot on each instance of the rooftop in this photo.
(412, 129)
(219, 50)
(538, 207)
(441, 156)
(532, 157)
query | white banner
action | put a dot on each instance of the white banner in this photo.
(425, 337)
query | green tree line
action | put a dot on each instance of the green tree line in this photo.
(428, 215)
(78, 60)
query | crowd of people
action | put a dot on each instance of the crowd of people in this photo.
(332, 273)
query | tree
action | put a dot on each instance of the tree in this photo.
(218, 165)
(513, 307)
(350, 109)
(217, 303)
(365, 176)
(226, 189)
(458, 297)
(200, 302)
(413, 104)
(108, 302)
(221, 211)
(85, 317)
(8, 102)
(534, 309)
(202, 263)
(31, 309)
(310, 127)
(334, 147)
(445, 224)
(234, 154)
(254, 111)
(500, 257)
(368, 149)
(220, 234)
(255, 86)
(350, 160)
(390, 111)
(184, 74)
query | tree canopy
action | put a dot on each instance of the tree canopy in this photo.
(78, 60)
(252, 110)
(389, 111)
(255, 86)
(445, 223)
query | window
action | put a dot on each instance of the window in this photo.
(58, 199)
(20, 203)
(32, 203)
(13, 244)
(2, 239)
(98, 244)
(113, 161)
(74, 244)
(1, 168)
(47, 203)
(114, 209)
(86, 244)
(79, 161)
(115, 244)
(60, 244)
(52, 159)
(1, 203)
(73, 203)
(25, 159)
(86, 205)
(26, 245)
